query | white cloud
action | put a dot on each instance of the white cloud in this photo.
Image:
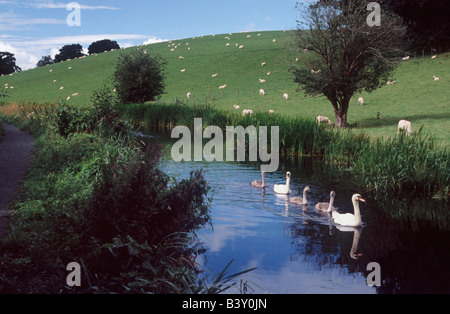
(24, 60)
(29, 51)
(51, 5)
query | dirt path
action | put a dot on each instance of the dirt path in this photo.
(16, 155)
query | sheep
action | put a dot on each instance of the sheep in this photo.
(262, 92)
(181, 57)
(237, 107)
(248, 112)
(223, 86)
(183, 70)
(269, 73)
(390, 83)
(188, 95)
(436, 78)
(263, 64)
(406, 58)
(61, 88)
(75, 94)
(434, 57)
(316, 72)
(54, 81)
(69, 68)
(404, 125)
(215, 75)
(227, 44)
(262, 81)
(321, 119)
(274, 40)
(286, 96)
(241, 47)
(68, 98)
(271, 111)
(361, 101)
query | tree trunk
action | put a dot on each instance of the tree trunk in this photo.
(341, 114)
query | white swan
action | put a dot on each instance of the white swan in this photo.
(327, 207)
(283, 188)
(350, 220)
(259, 183)
(301, 200)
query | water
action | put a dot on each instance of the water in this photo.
(302, 251)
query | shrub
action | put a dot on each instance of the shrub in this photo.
(139, 77)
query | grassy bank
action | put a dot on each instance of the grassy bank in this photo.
(95, 197)
(399, 166)
(415, 96)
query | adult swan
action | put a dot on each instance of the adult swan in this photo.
(350, 220)
(283, 188)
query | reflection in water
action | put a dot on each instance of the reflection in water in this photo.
(298, 249)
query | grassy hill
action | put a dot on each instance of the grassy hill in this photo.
(415, 96)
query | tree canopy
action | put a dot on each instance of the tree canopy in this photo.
(45, 60)
(341, 54)
(102, 46)
(69, 52)
(8, 63)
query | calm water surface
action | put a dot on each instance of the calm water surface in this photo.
(298, 250)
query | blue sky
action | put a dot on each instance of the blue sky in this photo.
(33, 28)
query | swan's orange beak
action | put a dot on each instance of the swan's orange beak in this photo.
(362, 200)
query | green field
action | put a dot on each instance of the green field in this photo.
(415, 96)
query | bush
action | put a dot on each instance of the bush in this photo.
(139, 77)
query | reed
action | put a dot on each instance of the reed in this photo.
(397, 166)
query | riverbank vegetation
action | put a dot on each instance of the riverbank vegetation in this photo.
(400, 166)
(97, 197)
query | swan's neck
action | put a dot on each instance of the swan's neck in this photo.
(356, 235)
(357, 211)
(288, 182)
(305, 193)
(330, 206)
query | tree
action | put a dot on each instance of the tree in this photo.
(69, 52)
(8, 63)
(102, 46)
(427, 21)
(341, 54)
(45, 60)
(139, 77)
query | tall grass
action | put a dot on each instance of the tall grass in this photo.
(397, 166)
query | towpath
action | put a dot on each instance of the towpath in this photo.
(16, 155)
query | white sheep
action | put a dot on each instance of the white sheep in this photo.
(390, 83)
(188, 95)
(237, 107)
(75, 94)
(271, 111)
(321, 119)
(248, 112)
(262, 92)
(406, 58)
(263, 64)
(404, 125)
(361, 101)
(223, 86)
(241, 47)
(436, 78)
(181, 57)
(269, 73)
(286, 96)
(262, 81)
(215, 75)
(434, 57)
(61, 88)
(183, 70)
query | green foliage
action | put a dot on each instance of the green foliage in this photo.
(3, 96)
(69, 52)
(103, 202)
(139, 77)
(102, 46)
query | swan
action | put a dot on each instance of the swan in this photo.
(301, 200)
(283, 188)
(350, 220)
(327, 207)
(259, 183)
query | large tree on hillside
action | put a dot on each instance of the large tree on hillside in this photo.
(69, 52)
(102, 46)
(341, 54)
(8, 63)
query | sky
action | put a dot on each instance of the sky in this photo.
(31, 29)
